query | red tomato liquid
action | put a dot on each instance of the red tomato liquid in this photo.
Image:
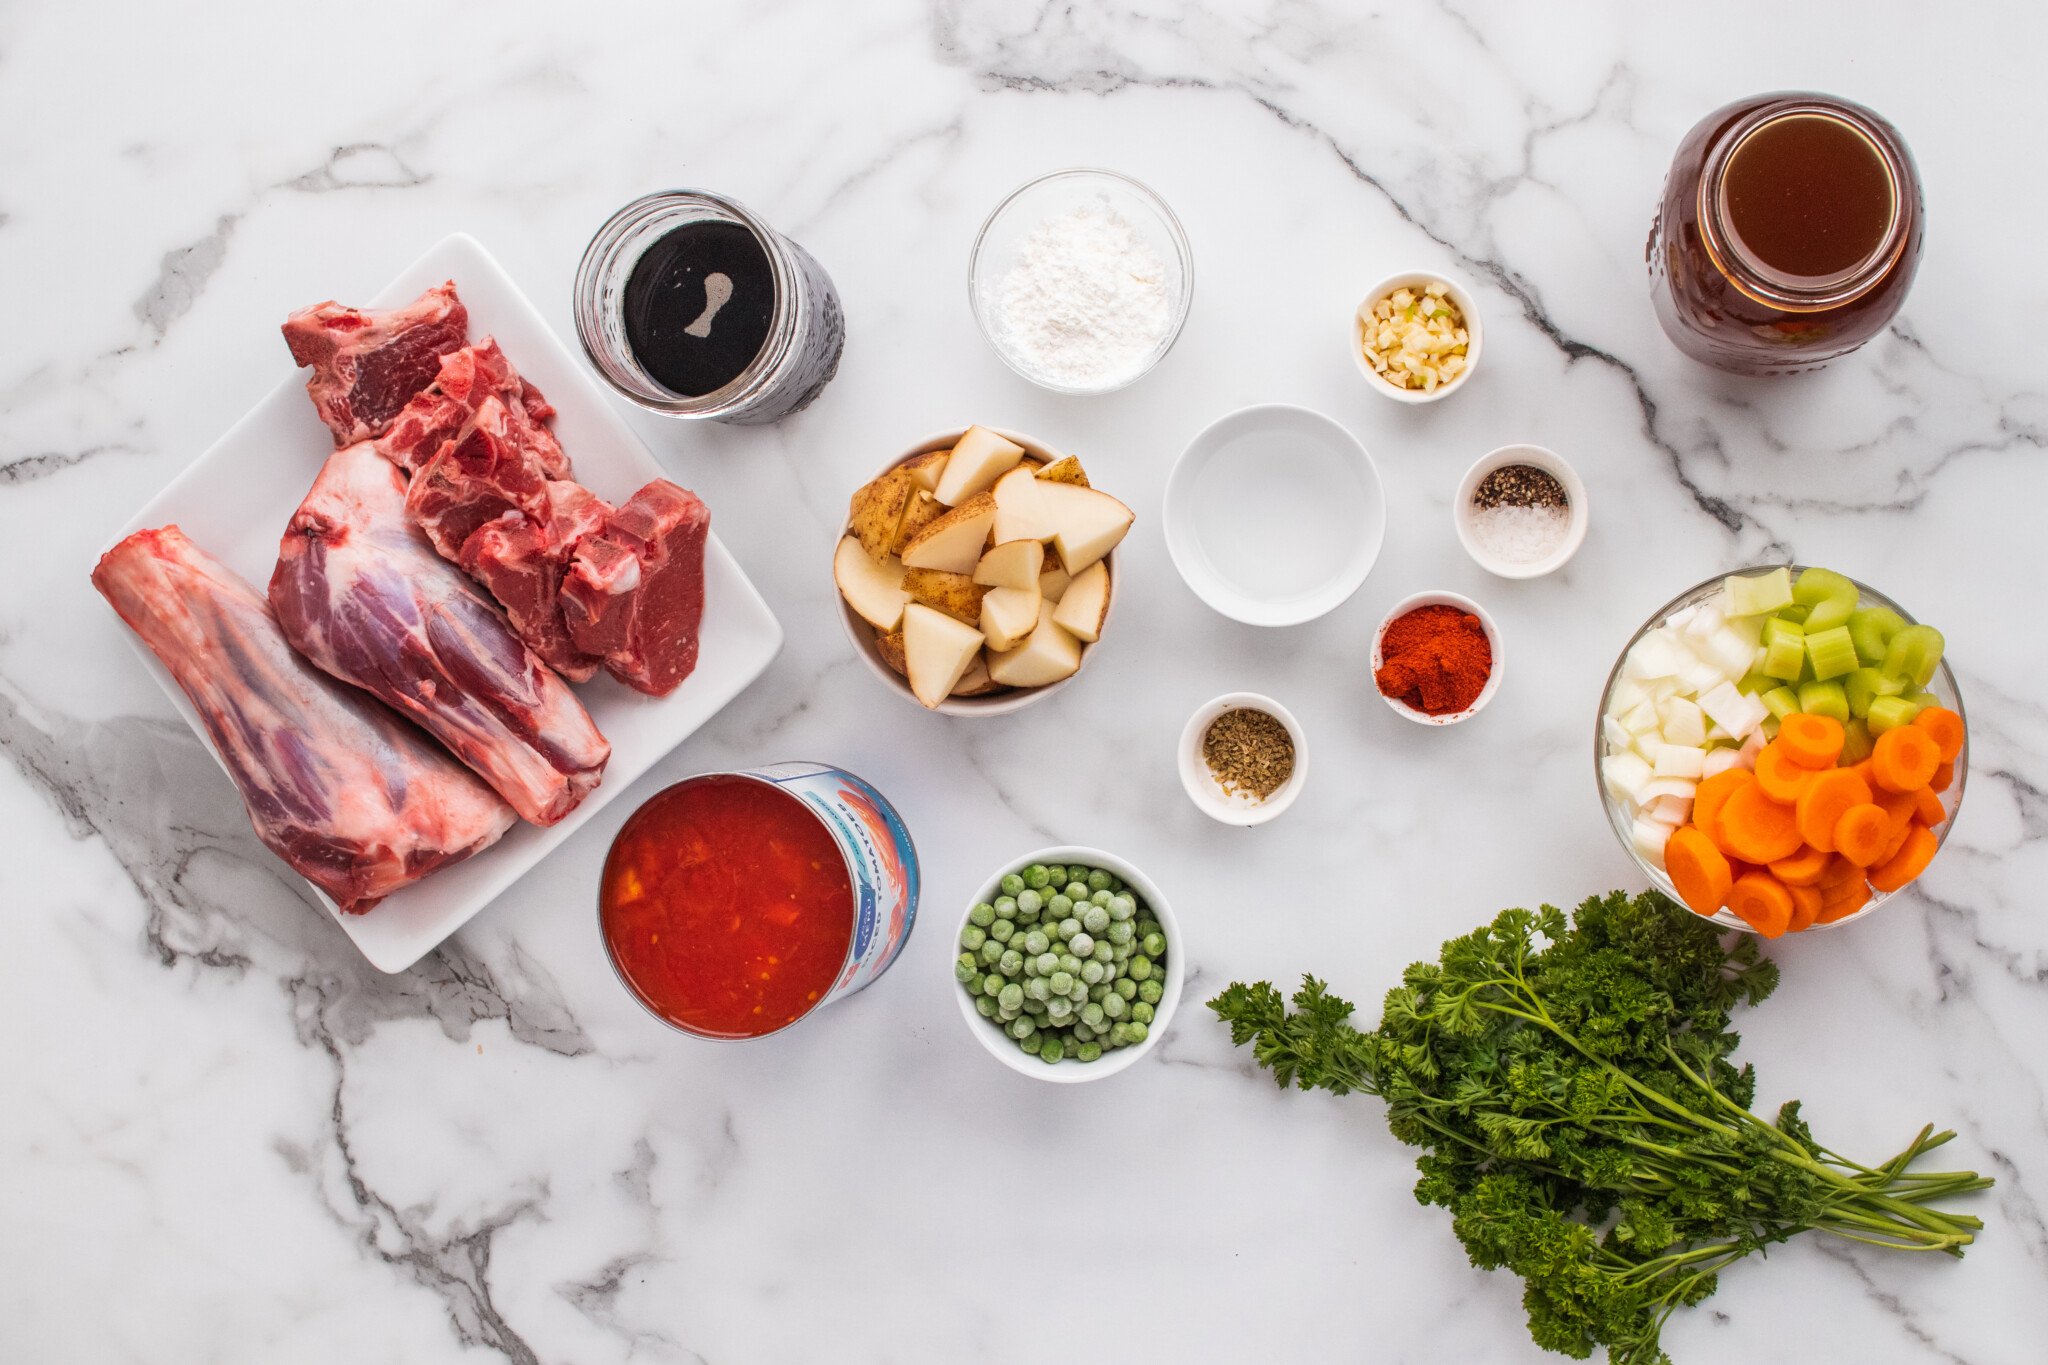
(727, 907)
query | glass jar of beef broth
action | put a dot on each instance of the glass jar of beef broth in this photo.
(1788, 235)
(691, 306)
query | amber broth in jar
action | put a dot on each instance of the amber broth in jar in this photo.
(1788, 235)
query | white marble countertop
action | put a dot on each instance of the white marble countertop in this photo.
(224, 1138)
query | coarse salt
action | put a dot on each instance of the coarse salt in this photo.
(1087, 301)
(1520, 535)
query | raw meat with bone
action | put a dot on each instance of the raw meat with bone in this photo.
(368, 364)
(522, 563)
(357, 801)
(466, 378)
(485, 472)
(635, 594)
(361, 593)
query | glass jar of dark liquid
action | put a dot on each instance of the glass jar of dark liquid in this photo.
(691, 306)
(1788, 235)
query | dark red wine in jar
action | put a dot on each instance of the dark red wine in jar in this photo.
(1788, 235)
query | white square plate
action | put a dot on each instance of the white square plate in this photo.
(235, 500)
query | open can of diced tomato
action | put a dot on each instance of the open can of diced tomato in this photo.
(734, 904)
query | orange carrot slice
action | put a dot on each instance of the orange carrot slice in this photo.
(1895, 832)
(1698, 869)
(1927, 807)
(1904, 758)
(1844, 901)
(1757, 829)
(1762, 902)
(1823, 802)
(1944, 727)
(1811, 741)
(1943, 776)
(1839, 872)
(1806, 903)
(1861, 833)
(1779, 774)
(1711, 792)
(1916, 851)
(1804, 867)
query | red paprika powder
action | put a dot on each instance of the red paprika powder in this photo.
(1436, 660)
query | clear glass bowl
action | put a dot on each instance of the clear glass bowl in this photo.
(1943, 686)
(996, 250)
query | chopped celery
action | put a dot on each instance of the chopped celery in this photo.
(1794, 613)
(1831, 597)
(1856, 741)
(1824, 699)
(1760, 593)
(1872, 629)
(1770, 727)
(1781, 701)
(1866, 685)
(1784, 647)
(1923, 700)
(1831, 652)
(1756, 683)
(1889, 713)
(1913, 655)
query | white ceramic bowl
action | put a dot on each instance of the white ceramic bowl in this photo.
(1209, 795)
(862, 635)
(1443, 599)
(1070, 1072)
(1551, 463)
(1274, 515)
(996, 249)
(1458, 294)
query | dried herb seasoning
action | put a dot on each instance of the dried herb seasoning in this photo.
(1249, 751)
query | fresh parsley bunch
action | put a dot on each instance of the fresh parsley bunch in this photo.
(1571, 1089)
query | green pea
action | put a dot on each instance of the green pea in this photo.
(972, 937)
(1069, 927)
(1010, 963)
(1098, 880)
(1141, 967)
(1070, 962)
(1101, 898)
(1029, 900)
(964, 965)
(1127, 904)
(1120, 932)
(1035, 1008)
(1051, 1049)
(1114, 1006)
(1082, 1033)
(1126, 988)
(1077, 891)
(1095, 919)
(1155, 945)
(1059, 1009)
(1037, 875)
(1055, 875)
(1006, 907)
(1012, 884)
(1116, 884)
(1122, 951)
(1021, 1028)
(1001, 930)
(1036, 942)
(1081, 944)
(1087, 1052)
(1059, 906)
(1137, 1032)
(1092, 971)
(1150, 991)
(983, 915)
(1037, 989)
(1048, 963)
(1011, 997)
(1146, 925)
(984, 1006)
(991, 952)
(1105, 953)
(1141, 1013)
(1060, 982)
(991, 985)
(1100, 992)
(1093, 1014)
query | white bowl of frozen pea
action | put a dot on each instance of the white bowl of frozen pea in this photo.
(1069, 964)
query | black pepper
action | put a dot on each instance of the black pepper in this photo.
(1520, 485)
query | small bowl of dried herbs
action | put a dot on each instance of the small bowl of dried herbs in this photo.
(1242, 758)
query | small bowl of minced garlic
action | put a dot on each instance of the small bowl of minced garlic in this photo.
(1416, 337)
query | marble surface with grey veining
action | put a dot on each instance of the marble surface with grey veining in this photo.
(223, 1137)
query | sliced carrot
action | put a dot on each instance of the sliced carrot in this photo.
(1839, 872)
(1821, 805)
(1779, 774)
(1762, 902)
(1904, 758)
(1861, 833)
(1915, 853)
(1944, 727)
(1804, 867)
(1698, 869)
(1755, 828)
(1895, 835)
(1806, 903)
(1811, 741)
(1927, 807)
(1943, 776)
(1711, 792)
(1844, 902)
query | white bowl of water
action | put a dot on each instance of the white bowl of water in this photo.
(1274, 515)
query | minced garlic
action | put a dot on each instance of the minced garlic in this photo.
(1414, 339)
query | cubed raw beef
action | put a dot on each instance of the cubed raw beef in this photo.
(635, 594)
(466, 378)
(367, 365)
(522, 562)
(479, 476)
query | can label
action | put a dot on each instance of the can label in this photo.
(880, 859)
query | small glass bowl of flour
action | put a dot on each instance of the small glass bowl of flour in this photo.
(1081, 280)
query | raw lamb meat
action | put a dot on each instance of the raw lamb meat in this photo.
(635, 594)
(466, 378)
(361, 593)
(521, 563)
(367, 365)
(485, 472)
(356, 800)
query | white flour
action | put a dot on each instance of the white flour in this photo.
(1087, 300)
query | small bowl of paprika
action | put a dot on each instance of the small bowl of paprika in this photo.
(1436, 659)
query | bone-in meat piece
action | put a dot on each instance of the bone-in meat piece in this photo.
(466, 378)
(635, 594)
(522, 563)
(368, 364)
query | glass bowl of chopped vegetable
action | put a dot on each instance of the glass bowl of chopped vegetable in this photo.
(1069, 964)
(1742, 751)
